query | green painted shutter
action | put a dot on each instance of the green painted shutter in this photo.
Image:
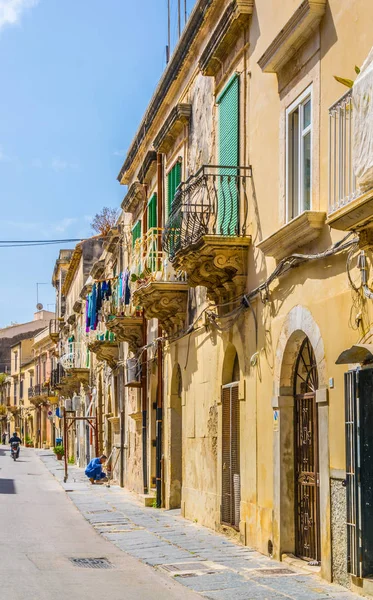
(173, 181)
(136, 233)
(152, 212)
(228, 200)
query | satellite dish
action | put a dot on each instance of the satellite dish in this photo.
(39, 306)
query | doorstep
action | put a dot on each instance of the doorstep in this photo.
(303, 565)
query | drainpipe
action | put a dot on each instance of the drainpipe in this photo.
(362, 264)
(160, 350)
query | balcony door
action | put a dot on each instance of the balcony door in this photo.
(228, 156)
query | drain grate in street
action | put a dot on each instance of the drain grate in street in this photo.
(195, 566)
(91, 563)
(275, 572)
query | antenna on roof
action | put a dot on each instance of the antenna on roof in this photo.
(168, 47)
(185, 12)
(179, 17)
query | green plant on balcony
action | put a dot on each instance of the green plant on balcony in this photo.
(347, 82)
(2, 409)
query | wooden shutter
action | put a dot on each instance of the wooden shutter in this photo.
(226, 458)
(228, 201)
(173, 181)
(136, 232)
(152, 212)
(231, 484)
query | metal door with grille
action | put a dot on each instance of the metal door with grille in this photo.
(307, 510)
(359, 471)
(231, 484)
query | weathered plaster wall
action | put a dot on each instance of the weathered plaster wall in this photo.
(339, 532)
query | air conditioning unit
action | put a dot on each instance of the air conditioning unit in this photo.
(68, 404)
(133, 373)
(76, 402)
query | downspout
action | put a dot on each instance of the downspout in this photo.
(159, 350)
(144, 377)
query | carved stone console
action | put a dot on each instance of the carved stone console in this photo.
(165, 301)
(217, 262)
(127, 329)
(106, 351)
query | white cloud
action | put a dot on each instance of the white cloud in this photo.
(61, 165)
(64, 224)
(11, 10)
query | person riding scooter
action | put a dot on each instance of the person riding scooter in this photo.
(15, 440)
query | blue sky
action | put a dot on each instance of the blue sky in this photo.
(76, 77)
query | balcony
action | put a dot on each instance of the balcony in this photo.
(160, 291)
(54, 330)
(349, 207)
(75, 360)
(57, 377)
(103, 344)
(38, 393)
(206, 233)
(127, 328)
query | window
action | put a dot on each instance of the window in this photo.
(44, 370)
(15, 392)
(173, 182)
(299, 155)
(15, 361)
(152, 212)
(136, 233)
(21, 389)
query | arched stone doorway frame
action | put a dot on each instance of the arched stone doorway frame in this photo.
(298, 324)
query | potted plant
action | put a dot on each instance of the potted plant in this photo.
(59, 452)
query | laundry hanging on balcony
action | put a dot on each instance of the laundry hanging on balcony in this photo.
(362, 97)
(114, 291)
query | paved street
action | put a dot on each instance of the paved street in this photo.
(41, 531)
(185, 553)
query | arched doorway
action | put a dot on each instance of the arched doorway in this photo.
(306, 455)
(176, 442)
(231, 477)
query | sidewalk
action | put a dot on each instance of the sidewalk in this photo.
(198, 558)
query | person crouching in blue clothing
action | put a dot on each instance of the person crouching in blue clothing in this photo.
(94, 469)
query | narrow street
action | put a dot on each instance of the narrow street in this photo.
(41, 531)
(151, 552)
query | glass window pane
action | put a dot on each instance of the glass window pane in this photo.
(307, 114)
(294, 164)
(307, 171)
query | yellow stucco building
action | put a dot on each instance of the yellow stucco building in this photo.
(233, 280)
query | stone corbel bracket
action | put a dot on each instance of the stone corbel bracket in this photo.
(105, 351)
(127, 329)
(178, 117)
(218, 263)
(235, 18)
(165, 301)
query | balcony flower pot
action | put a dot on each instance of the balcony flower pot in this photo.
(59, 452)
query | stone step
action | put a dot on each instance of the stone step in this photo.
(147, 499)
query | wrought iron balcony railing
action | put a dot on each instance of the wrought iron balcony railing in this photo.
(75, 356)
(342, 181)
(212, 201)
(145, 257)
(57, 375)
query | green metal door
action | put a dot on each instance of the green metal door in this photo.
(152, 212)
(228, 198)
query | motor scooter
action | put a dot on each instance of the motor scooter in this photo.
(14, 450)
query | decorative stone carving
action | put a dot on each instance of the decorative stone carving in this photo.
(165, 301)
(106, 351)
(217, 262)
(98, 269)
(234, 18)
(127, 329)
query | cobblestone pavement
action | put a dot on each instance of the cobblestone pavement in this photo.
(198, 558)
